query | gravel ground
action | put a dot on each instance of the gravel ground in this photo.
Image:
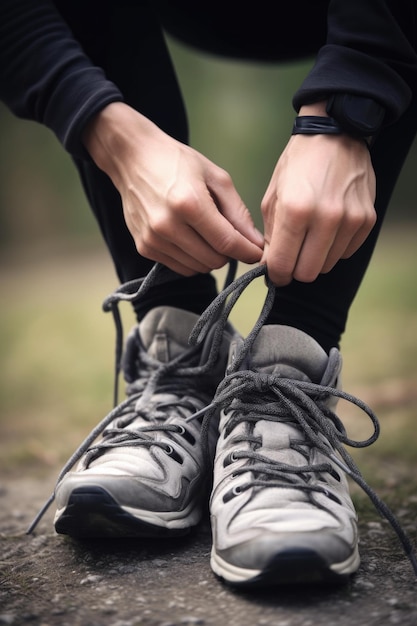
(48, 579)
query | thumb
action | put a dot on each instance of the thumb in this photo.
(232, 207)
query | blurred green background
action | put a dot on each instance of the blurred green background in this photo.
(57, 345)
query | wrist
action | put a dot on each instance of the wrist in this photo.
(103, 129)
(320, 125)
(111, 136)
(357, 116)
(315, 109)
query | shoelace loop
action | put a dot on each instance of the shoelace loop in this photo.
(308, 415)
(299, 400)
(129, 292)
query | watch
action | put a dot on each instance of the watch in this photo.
(357, 115)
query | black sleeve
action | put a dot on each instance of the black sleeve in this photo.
(45, 75)
(370, 51)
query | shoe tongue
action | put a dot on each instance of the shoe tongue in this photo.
(164, 332)
(289, 353)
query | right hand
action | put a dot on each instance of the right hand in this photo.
(180, 208)
(319, 204)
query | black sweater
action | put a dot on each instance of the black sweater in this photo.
(53, 54)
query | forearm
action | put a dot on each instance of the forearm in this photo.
(368, 53)
(45, 75)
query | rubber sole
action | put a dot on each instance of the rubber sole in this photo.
(291, 567)
(91, 512)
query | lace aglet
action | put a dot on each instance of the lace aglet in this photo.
(200, 412)
(342, 465)
(41, 513)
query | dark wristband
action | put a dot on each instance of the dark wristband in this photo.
(316, 125)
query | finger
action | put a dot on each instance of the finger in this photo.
(177, 241)
(223, 237)
(178, 244)
(315, 251)
(185, 267)
(174, 255)
(232, 207)
(362, 234)
(184, 245)
(327, 240)
(199, 249)
(348, 242)
(281, 252)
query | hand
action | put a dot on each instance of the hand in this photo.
(181, 209)
(319, 206)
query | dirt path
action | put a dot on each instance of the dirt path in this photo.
(50, 580)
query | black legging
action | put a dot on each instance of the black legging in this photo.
(319, 308)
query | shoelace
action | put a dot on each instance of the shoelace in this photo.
(154, 414)
(299, 398)
(301, 403)
(129, 292)
(254, 396)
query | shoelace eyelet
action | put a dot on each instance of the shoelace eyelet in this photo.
(229, 459)
(171, 452)
(232, 493)
(331, 496)
(186, 434)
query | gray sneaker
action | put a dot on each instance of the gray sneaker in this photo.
(148, 474)
(280, 506)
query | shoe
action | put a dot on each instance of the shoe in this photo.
(281, 511)
(147, 475)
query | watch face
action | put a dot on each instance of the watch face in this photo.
(357, 115)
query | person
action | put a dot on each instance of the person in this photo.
(100, 76)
